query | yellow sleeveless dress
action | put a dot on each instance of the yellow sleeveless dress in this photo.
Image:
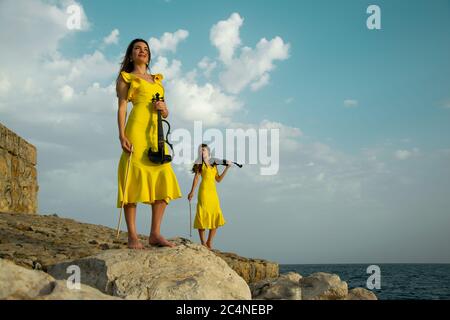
(146, 180)
(208, 214)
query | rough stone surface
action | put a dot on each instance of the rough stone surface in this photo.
(188, 271)
(17, 282)
(360, 294)
(18, 174)
(20, 283)
(285, 287)
(252, 270)
(62, 292)
(323, 286)
(37, 241)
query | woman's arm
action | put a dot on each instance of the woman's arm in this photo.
(122, 92)
(194, 185)
(221, 176)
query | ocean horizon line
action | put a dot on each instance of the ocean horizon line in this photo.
(364, 263)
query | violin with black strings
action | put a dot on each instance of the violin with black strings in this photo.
(159, 156)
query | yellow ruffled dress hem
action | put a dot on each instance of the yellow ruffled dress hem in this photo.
(144, 186)
(206, 220)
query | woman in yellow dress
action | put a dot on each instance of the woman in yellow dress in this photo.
(208, 214)
(147, 182)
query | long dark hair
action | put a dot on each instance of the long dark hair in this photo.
(197, 167)
(127, 65)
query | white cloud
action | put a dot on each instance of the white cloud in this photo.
(288, 135)
(252, 67)
(225, 37)
(168, 42)
(112, 38)
(66, 92)
(286, 131)
(170, 70)
(446, 104)
(320, 176)
(402, 154)
(37, 27)
(264, 80)
(192, 101)
(350, 103)
(207, 65)
(405, 154)
(289, 100)
(5, 85)
(77, 72)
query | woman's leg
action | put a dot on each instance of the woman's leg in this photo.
(201, 233)
(130, 217)
(211, 235)
(155, 237)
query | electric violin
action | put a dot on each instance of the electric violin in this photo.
(222, 162)
(159, 156)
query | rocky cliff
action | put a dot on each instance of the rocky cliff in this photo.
(37, 241)
(38, 254)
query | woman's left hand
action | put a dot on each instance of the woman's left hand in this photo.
(161, 105)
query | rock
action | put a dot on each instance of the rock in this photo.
(285, 287)
(104, 246)
(51, 239)
(293, 276)
(318, 286)
(62, 292)
(36, 265)
(252, 270)
(188, 271)
(20, 283)
(17, 282)
(323, 286)
(360, 294)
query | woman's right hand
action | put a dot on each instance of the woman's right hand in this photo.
(126, 144)
(190, 196)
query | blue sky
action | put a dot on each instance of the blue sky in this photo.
(399, 74)
(365, 183)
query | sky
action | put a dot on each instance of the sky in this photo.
(363, 115)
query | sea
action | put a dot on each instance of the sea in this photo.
(397, 281)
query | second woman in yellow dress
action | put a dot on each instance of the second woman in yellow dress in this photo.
(208, 214)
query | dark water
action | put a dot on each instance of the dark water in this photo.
(398, 281)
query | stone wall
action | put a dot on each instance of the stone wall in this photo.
(18, 174)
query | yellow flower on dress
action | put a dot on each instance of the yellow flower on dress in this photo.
(158, 77)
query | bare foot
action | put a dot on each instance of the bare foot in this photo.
(134, 243)
(204, 244)
(160, 241)
(208, 245)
